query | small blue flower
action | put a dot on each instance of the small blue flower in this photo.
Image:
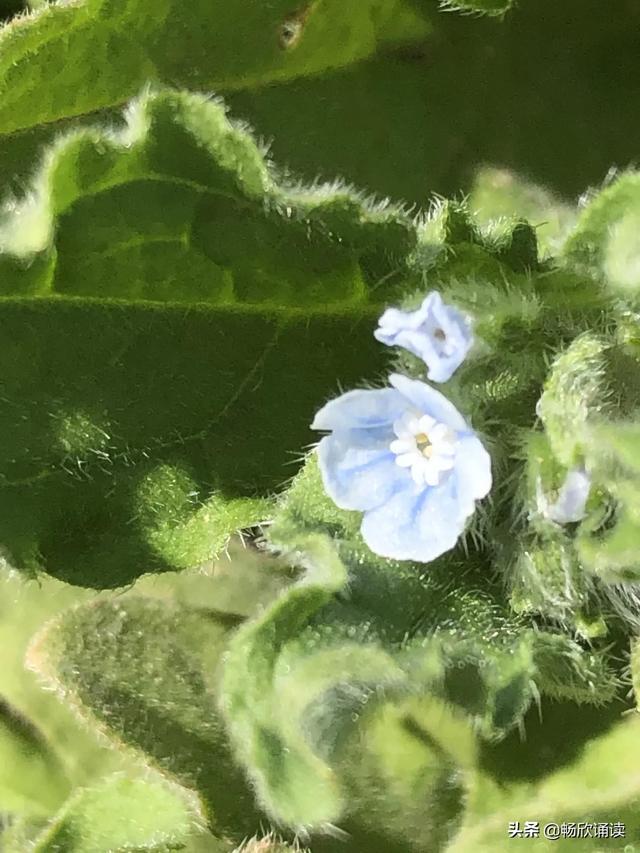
(437, 333)
(406, 458)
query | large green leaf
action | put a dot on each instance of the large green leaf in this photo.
(149, 818)
(138, 436)
(415, 121)
(478, 91)
(45, 752)
(46, 748)
(144, 672)
(66, 59)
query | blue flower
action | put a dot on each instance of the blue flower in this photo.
(406, 458)
(437, 333)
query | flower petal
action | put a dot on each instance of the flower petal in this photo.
(429, 401)
(362, 409)
(572, 498)
(358, 469)
(402, 445)
(406, 460)
(415, 524)
(473, 471)
(394, 321)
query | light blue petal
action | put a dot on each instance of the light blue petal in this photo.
(459, 337)
(416, 524)
(362, 409)
(419, 344)
(442, 367)
(473, 472)
(394, 321)
(390, 323)
(572, 498)
(359, 472)
(429, 401)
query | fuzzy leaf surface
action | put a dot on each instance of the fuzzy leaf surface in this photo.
(151, 818)
(143, 672)
(180, 289)
(600, 785)
(605, 239)
(327, 723)
(67, 59)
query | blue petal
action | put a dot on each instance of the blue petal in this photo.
(473, 472)
(572, 498)
(395, 321)
(429, 401)
(458, 333)
(359, 472)
(415, 524)
(442, 368)
(361, 410)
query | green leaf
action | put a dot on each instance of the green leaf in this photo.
(607, 541)
(144, 672)
(617, 442)
(32, 779)
(574, 392)
(589, 398)
(592, 386)
(97, 53)
(50, 750)
(622, 256)
(603, 236)
(141, 452)
(120, 814)
(48, 730)
(601, 784)
(249, 697)
(407, 767)
(326, 721)
(480, 90)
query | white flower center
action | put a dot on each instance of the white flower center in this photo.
(425, 446)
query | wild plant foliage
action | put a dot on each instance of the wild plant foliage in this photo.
(422, 421)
